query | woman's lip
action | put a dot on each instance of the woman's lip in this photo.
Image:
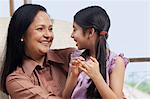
(46, 41)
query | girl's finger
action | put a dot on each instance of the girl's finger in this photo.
(81, 58)
(93, 59)
(83, 64)
(83, 69)
(75, 62)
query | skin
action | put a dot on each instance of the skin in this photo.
(38, 39)
(91, 67)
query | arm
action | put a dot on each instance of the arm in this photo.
(70, 85)
(72, 78)
(117, 77)
(114, 91)
(20, 87)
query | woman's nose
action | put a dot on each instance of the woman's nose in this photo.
(48, 34)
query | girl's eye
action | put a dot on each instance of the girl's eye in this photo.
(50, 29)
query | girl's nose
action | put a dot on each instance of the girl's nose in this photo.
(72, 36)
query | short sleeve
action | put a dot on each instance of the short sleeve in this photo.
(112, 59)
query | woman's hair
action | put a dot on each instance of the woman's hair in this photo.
(97, 18)
(19, 23)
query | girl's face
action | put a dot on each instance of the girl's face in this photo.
(79, 37)
(39, 36)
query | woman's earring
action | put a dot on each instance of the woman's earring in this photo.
(21, 39)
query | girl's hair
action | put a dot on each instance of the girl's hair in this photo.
(97, 18)
(19, 23)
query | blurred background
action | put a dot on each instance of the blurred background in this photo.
(129, 33)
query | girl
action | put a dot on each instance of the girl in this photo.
(99, 73)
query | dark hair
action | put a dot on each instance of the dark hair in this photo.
(97, 18)
(19, 23)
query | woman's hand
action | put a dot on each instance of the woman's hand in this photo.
(90, 67)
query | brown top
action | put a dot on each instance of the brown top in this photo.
(34, 82)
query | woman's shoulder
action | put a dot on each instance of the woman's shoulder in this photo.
(18, 73)
(61, 55)
(63, 49)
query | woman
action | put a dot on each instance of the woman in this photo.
(31, 70)
(99, 73)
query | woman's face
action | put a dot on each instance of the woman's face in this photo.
(39, 36)
(79, 37)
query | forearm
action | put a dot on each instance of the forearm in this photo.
(104, 90)
(69, 87)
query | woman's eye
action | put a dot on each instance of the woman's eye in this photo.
(39, 29)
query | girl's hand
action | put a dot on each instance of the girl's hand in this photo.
(74, 66)
(90, 67)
